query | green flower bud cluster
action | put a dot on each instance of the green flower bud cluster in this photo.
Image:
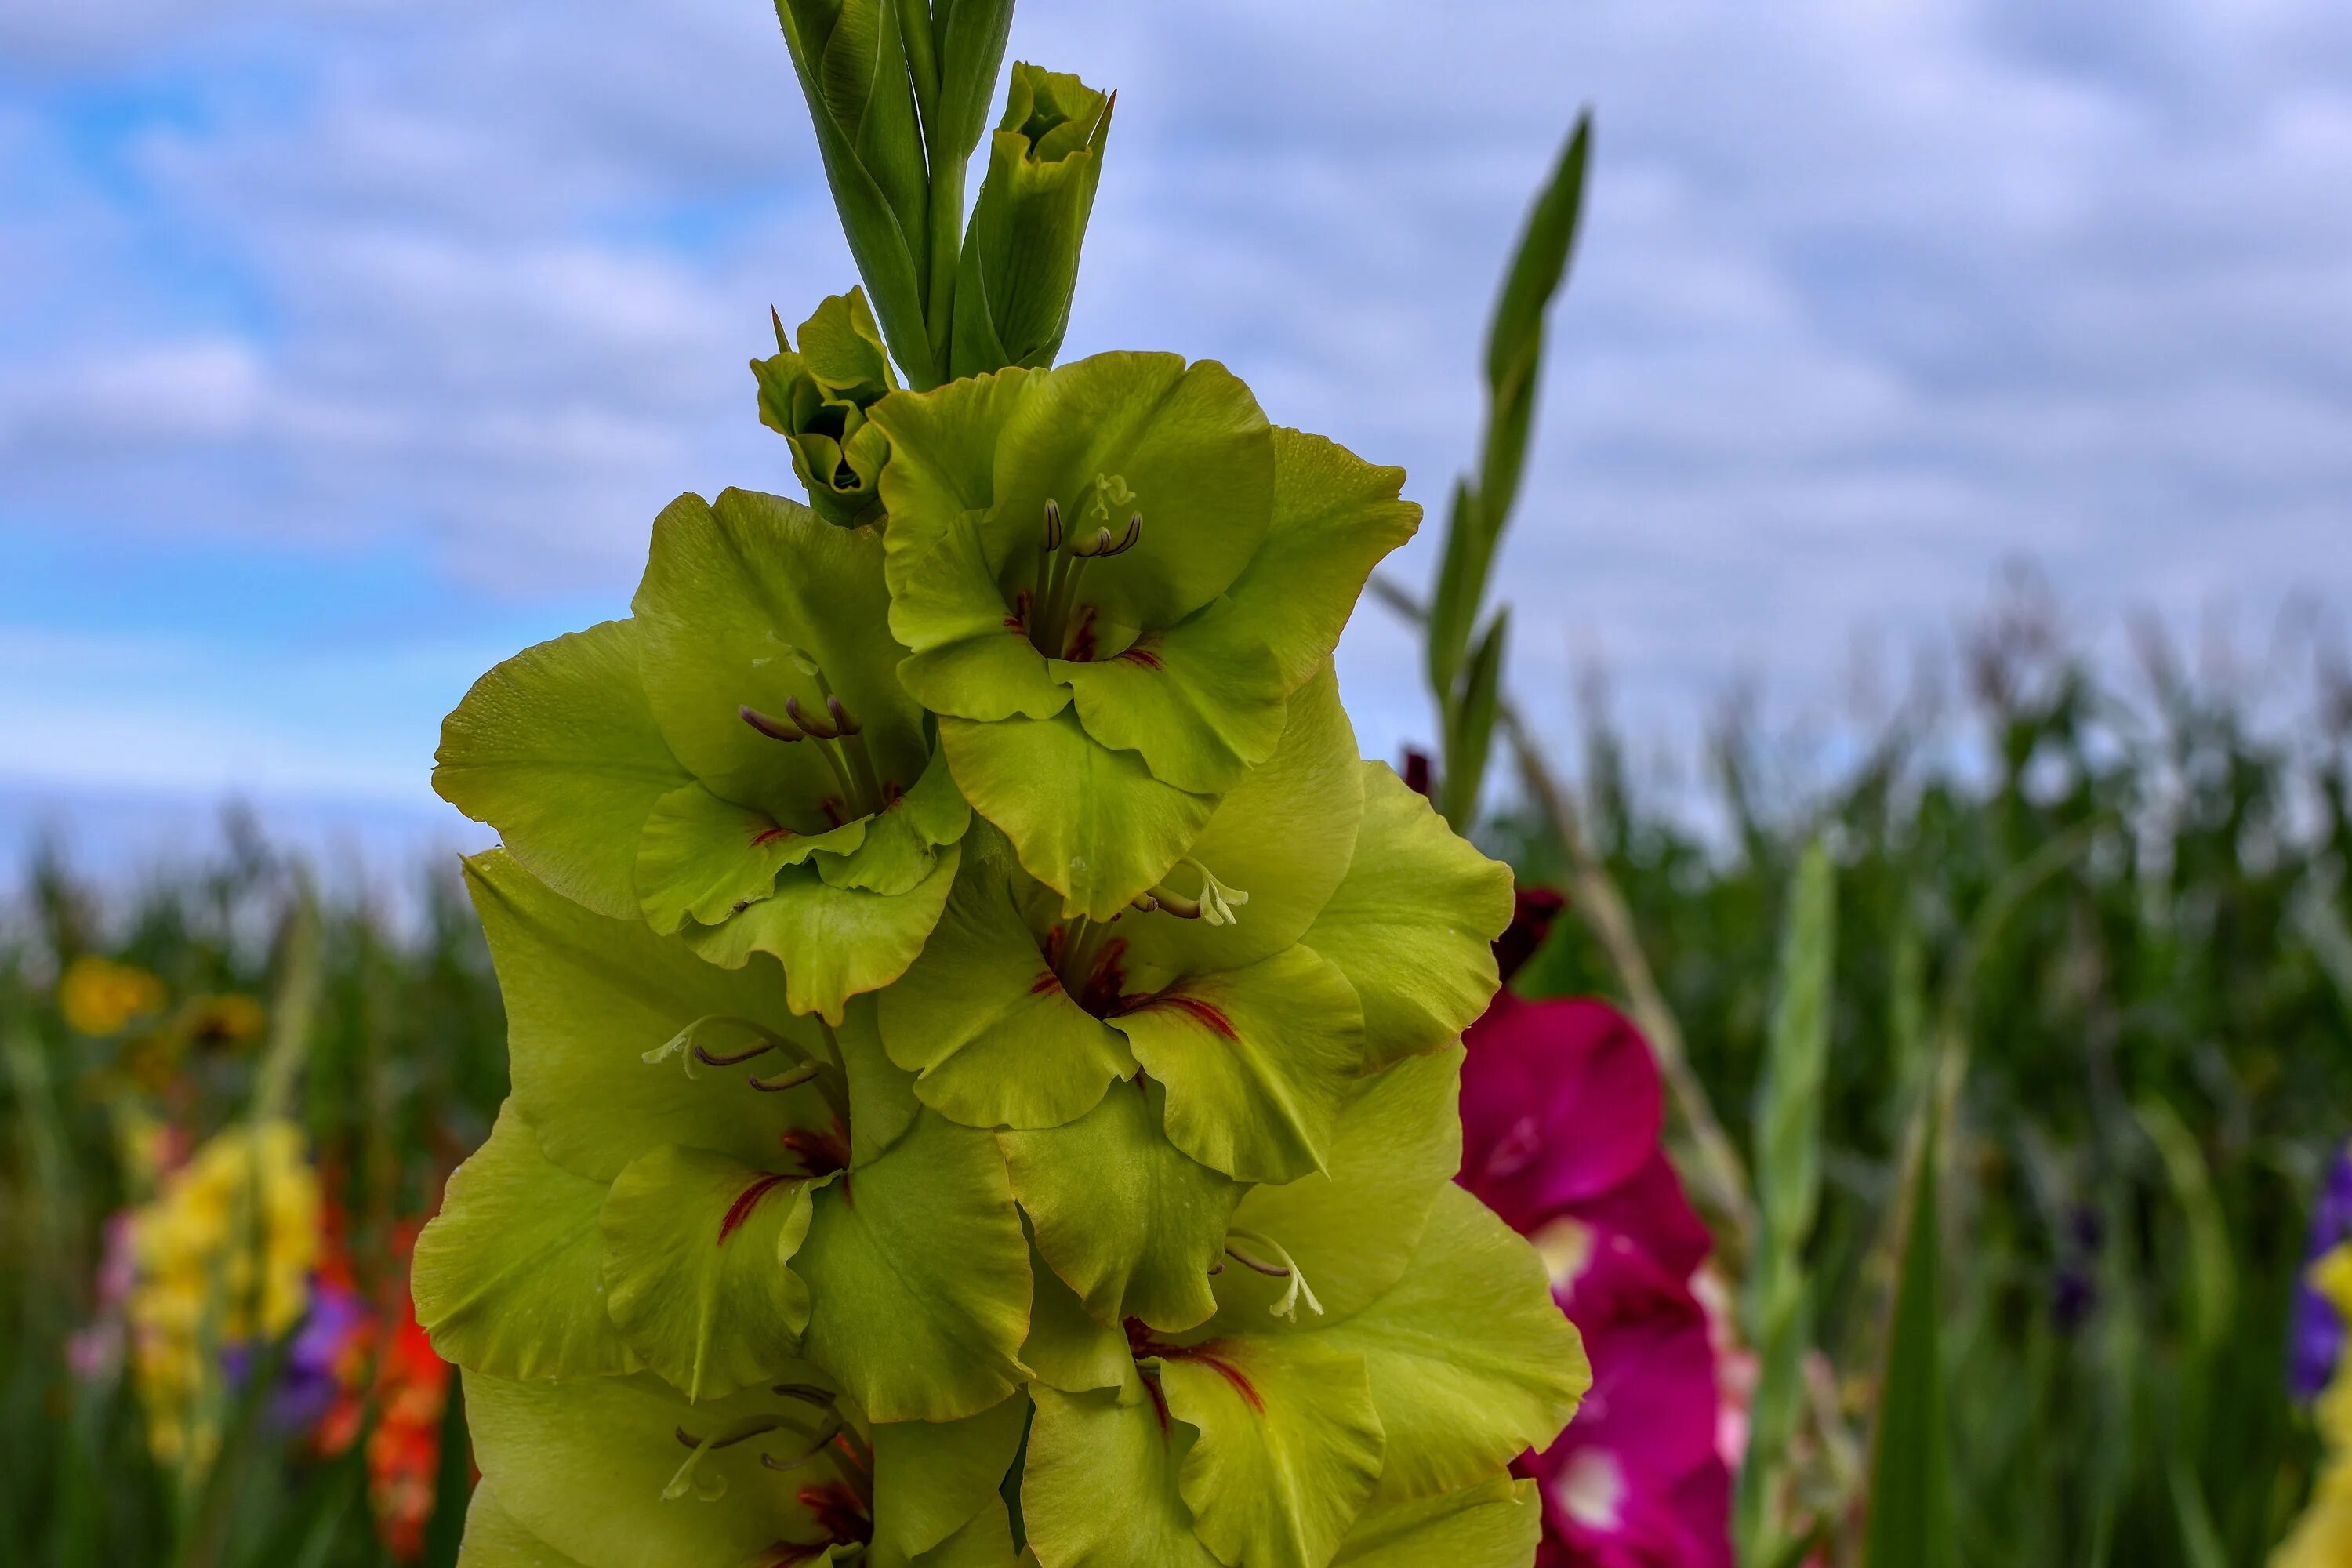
(984, 1045)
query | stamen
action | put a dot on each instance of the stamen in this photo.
(843, 724)
(815, 1450)
(816, 727)
(711, 1489)
(1286, 1269)
(1053, 524)
(1217, 899)
(686, 1043)
(790, 1077)
(773, 727)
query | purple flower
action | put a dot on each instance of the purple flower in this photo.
(2316, 1336)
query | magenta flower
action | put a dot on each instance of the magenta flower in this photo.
(1560, 1109)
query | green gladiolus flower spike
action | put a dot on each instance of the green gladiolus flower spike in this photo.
(737, 762)
(1111, 576)
(816, 396)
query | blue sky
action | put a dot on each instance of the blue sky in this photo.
(348, 345)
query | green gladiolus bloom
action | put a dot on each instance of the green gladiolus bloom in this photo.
(816, 396)
(1111, 577)
(1020, 259)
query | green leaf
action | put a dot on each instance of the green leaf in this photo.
(1335, 517)
(930, 1478)
(1283, 836)
(1258, 1062)
(1090, 823)
(1471, 729)
(833, 943)
(1128, 1220)
(1352, 1232)
(584, 1465)
(1019, 264)
(1101, 1486)
(918, 1278)
(1787, 1185)
(1515, 340)
(557, 749)
(985, 1021)
(1412, 926)
(1469, 1358)
(1068, 1348)
(1461, 587)
(757, 602)
(1910, 1509)
(971, 35)
(493, 1539)
(695, 1251)
(1289, 1449)
(1493, 1524)
(586, 997)
(507, 1278)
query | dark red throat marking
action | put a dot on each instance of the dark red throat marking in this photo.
(1048, 981)
(762, 839)
(1204, 1013)
(1144, 1346)
(745, 1202)
(1142, 656)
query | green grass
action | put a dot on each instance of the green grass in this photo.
(2111, 967)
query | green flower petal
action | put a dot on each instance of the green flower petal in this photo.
(1283, 834)
(1259, 1062)
(1495, 1524)
(1335, 516)
(1128, 1219)
(1352, 1232)
(706, 860)
(983, 1542)
(1199, 703)
(1091, 824)
(1470, 1360)
(833, 943)
(919, 1277)
(983, 1017)
(882, 1103)
(506, 1277)
(694, 1249)
(1066, 1348)
(1194, 449)
(901, 842)
(493, 1539)
(1289, 1448)
(1415, 923)
(932, 1478)
(1100, 1489)
(586, 997)
(557, 749)
(739, 599)
(583, 1464)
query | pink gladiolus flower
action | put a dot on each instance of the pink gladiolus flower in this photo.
(1560, 1111)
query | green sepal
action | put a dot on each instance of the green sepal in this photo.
(507, 1278)
(1289, 1449)
(834, 942)
(695, 1252)
(817, 399)
(1496, 1523)
(1259, 1062)
(586, 997)
(1019, 264)
(1413, 924)
(981, 1016)
(1130, 1221)
(1068, 1348)
(1090, 823)
(851, 65)
(584, 1465)
(932, 1478)
(1100, 1487)
(493, 1539)
(556, 747)
(919, 1277)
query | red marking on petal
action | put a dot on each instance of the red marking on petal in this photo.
(1143, 656)
(1200, 1012)
(745, 1202)
(761, 840)
(1206, 1355)
(1048, 981)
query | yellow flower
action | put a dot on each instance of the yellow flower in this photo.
(217, 1022)
(2323, 1536)
(99, 996)
(224, 1257)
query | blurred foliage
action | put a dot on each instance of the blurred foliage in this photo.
(2108, 940)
